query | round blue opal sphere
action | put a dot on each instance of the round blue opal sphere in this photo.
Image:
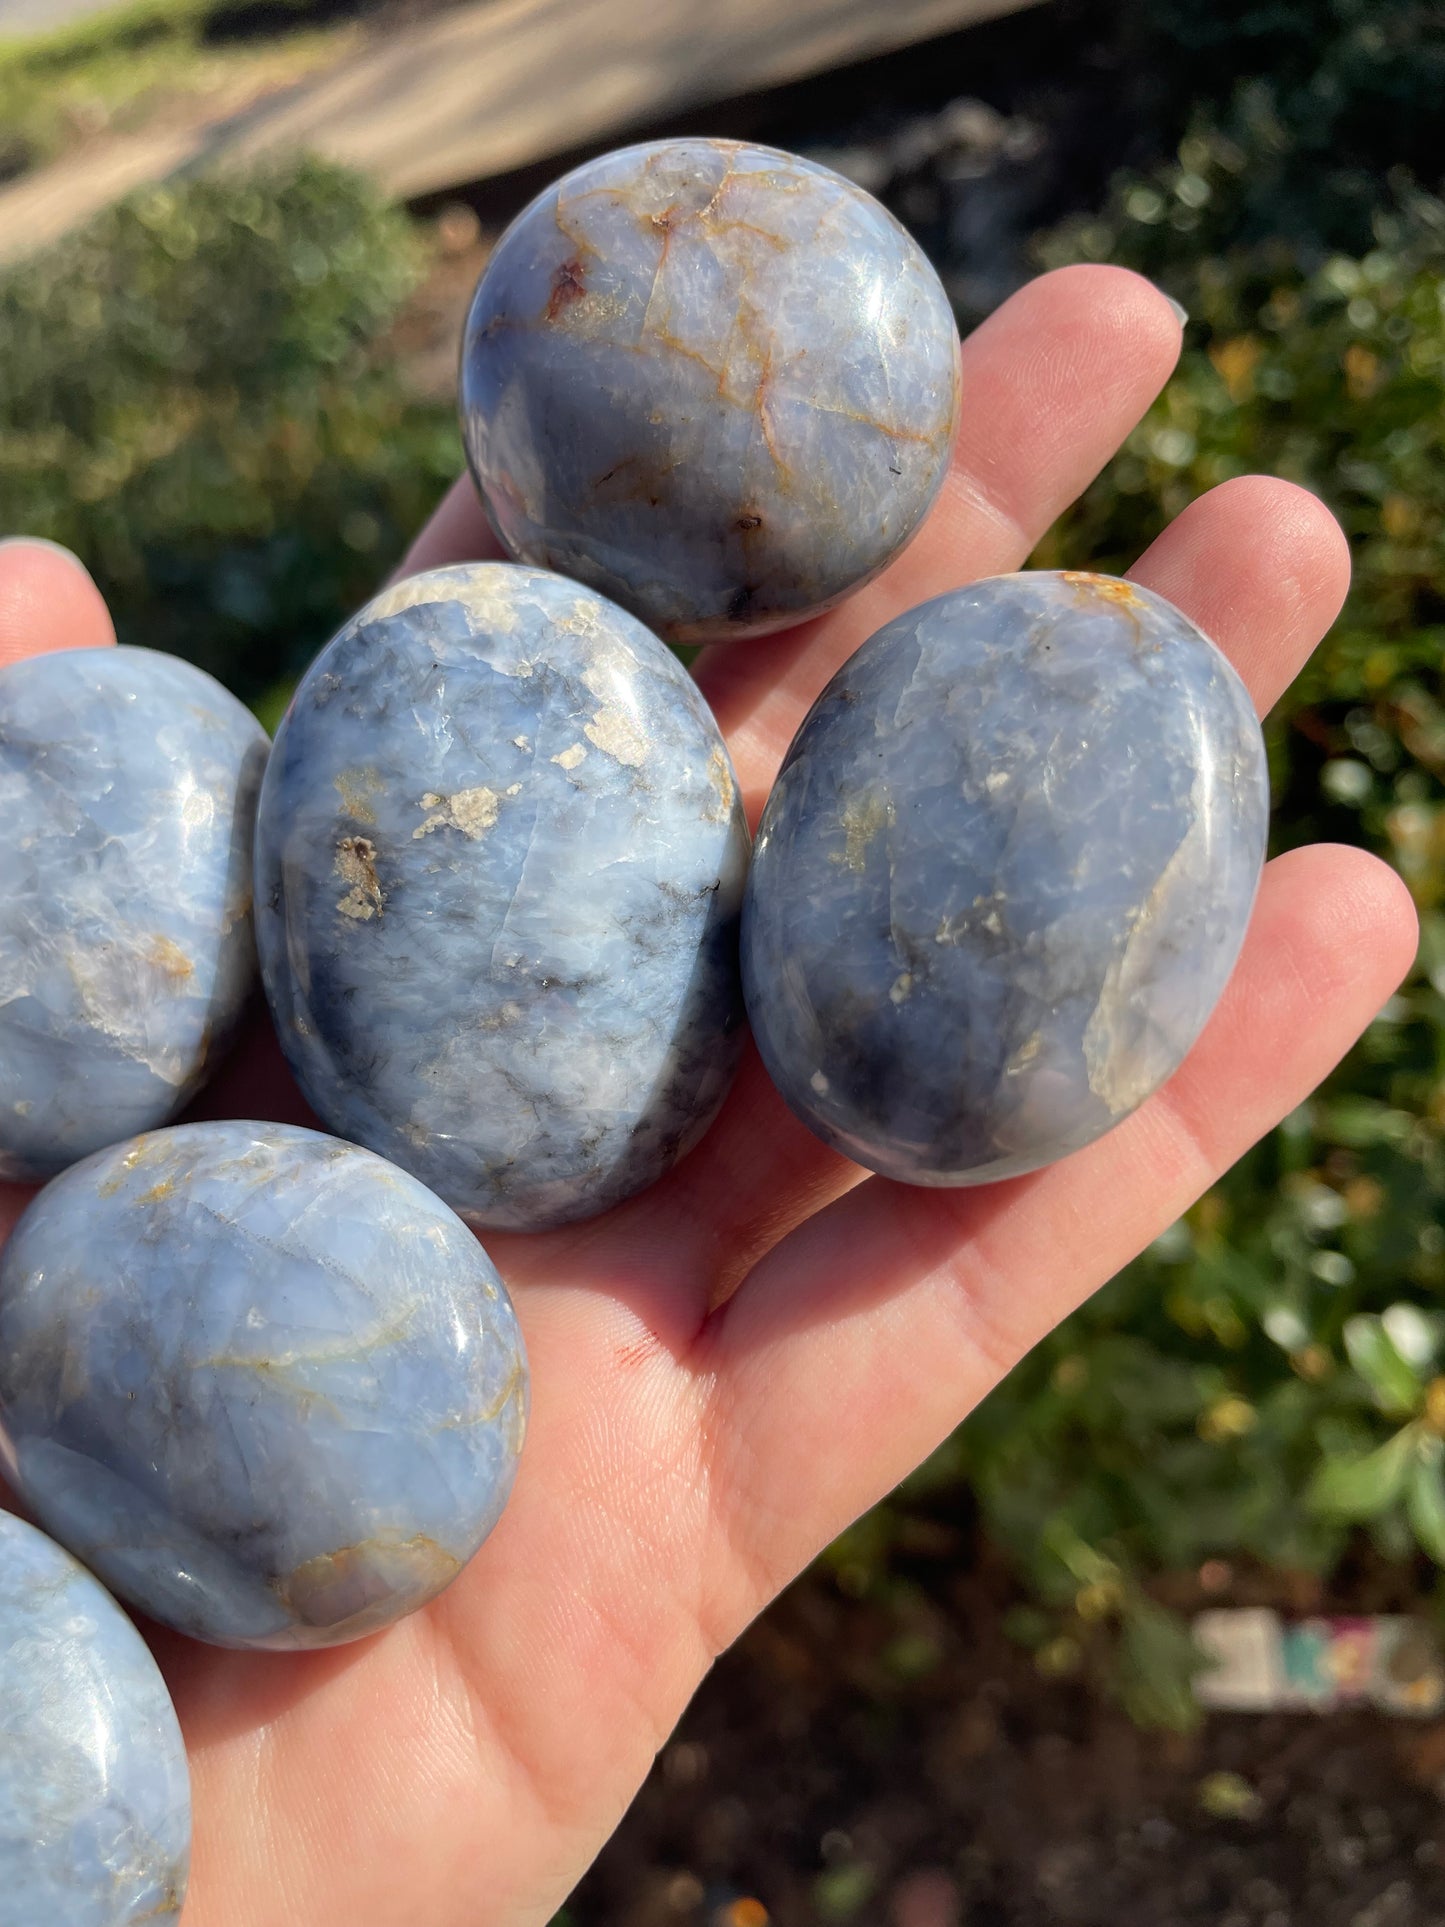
(1003, 876)
(715, 381)
(264, 1384)
(95, 1800)
(499, 866)
(128, 784)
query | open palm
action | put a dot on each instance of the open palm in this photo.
(729, 1368)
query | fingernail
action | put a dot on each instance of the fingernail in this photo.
(44, 542)
(1181, 315)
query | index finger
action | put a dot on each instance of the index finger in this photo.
(47, 601)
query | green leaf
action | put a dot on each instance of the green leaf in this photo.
(1413, 1332)
(1029, 1626)
(1083, 1563)
(1155, 1667)
(1228, 1796)
(839, 1893)
(1391, 1378)
(1362, 1488)
(1363, 1122)
(1425, 1505)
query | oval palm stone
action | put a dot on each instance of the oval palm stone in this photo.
(1003, 876)
(95, 1799)
(500, 857)
(264, 1384)
(715, 381)
(128, 784)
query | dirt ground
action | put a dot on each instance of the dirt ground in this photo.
(845, 1762)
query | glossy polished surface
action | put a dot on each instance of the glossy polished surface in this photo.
(263, 1383)
(1003, 876)
(95, 1800)
(500, 857)
(714, 381)
(128, 785)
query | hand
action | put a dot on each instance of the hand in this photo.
(732, 1366)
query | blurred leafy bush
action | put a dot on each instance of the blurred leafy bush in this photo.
(1270, 1377)
(196, 395)
(1323, 94)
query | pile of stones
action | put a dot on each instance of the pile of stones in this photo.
(495, 880)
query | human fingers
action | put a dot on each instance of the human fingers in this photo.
(1262, 566)
(861, 1340)
(47, 601)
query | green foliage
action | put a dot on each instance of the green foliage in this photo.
(112, 71)
(842, 1892)
(1425, 1499)
(1155, 1667)
(196, 396)
(1322, 95)
(1265, 1380)
(1365, 1487)
(1228, 1796)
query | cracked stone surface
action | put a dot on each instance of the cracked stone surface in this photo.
(264, 1384)
(500, 857)
(95, 1798)
(128, 784)
(714, 381)
(1003, 876)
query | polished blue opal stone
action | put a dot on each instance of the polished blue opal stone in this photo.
(500, 858)
(1003, 876)
(714, 381)
(128, 784)
(95, 1801)
(264, 1384)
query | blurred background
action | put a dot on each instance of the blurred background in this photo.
(236, 239)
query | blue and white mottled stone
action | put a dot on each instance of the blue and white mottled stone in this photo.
(128, 784)
(1003, 876)
(263, 1383)
(95, 1800)
(500, 857)
(714, 381)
